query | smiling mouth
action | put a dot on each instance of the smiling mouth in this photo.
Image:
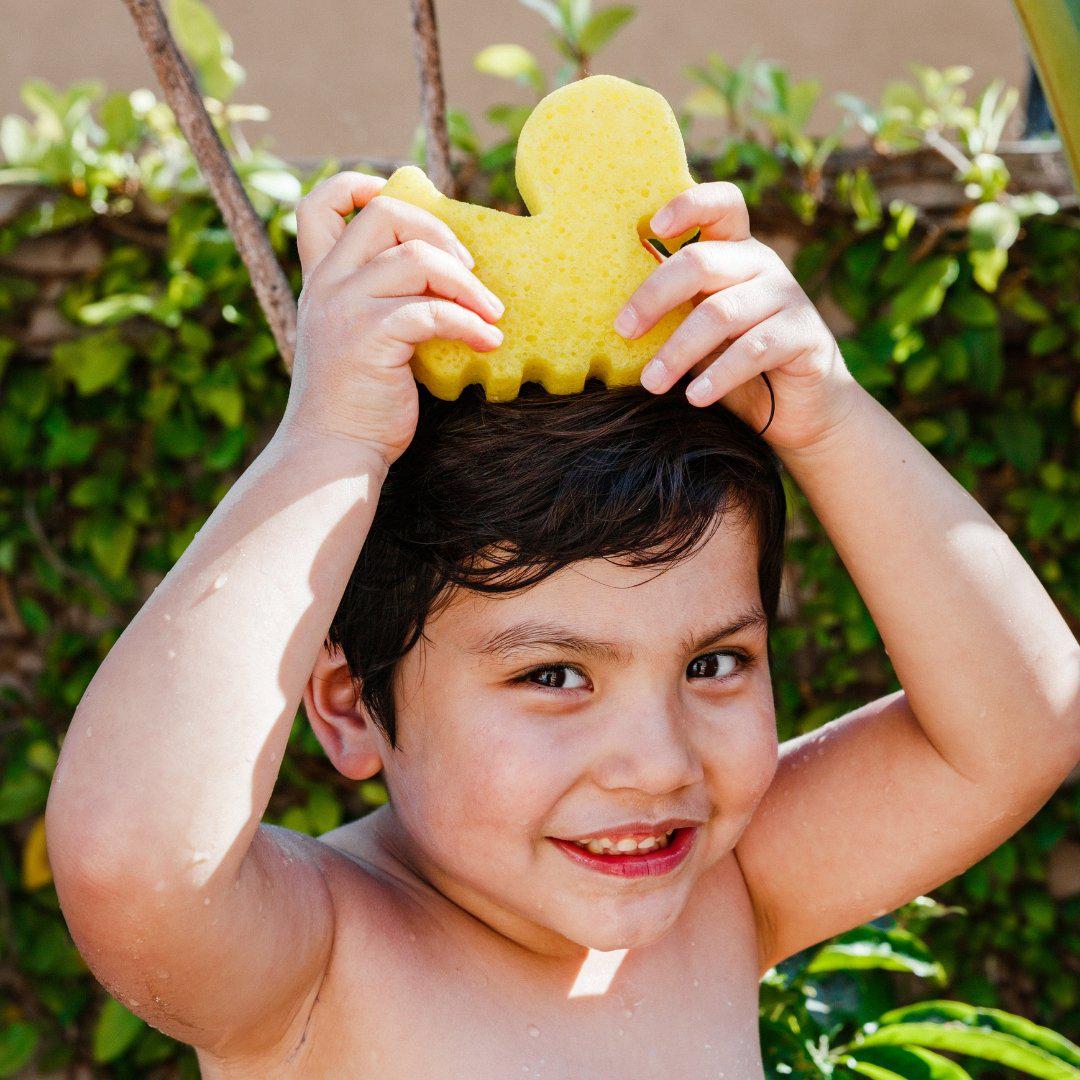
(633, 863)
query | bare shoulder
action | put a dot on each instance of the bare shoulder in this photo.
(362, 907)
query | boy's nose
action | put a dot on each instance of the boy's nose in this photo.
(649, 747)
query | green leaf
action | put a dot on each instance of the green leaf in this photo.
(549, 10)
(601, 25)
(112, 542)
(906, 1063)
(27, 391)
(1019, 437)
(18, 1041)
(119, 120)
(986, 362)
(277, 183)
(93, 362)
(1047, 339)
(323, 810)
(511, 62)
(957, 1038)
(988, 266)
(179, 436)
(220, 393)
(1047, 510)
(869, 947)
(919, 374)
(1028, 203)
(94, 491)
(997, 1019)
(1018, 300)
(115, 1030)
(114, 309)
(972, 308)
(22, 793)
(928, 431)
(18, 143)
(992, 225)
(924, 293)
(208, 46)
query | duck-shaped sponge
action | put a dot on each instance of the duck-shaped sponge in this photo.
(595, 160)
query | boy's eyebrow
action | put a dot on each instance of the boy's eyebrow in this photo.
(530, 633)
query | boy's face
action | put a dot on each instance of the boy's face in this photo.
(493, 760)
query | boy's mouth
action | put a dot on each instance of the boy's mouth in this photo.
(659, 857)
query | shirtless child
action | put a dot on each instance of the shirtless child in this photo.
(449, 933)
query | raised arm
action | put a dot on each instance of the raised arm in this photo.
(904, 793)
(212, 927)
(907, 791)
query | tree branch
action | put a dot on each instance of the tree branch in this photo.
(432, 97)
(181, 92)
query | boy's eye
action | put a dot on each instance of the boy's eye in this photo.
(553, 677)
(550, 677)
(713, 665)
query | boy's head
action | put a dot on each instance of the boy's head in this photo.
(614, 516)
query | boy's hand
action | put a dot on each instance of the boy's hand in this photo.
(743, 293)
(372, 291)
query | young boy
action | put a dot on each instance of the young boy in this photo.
(548, 625)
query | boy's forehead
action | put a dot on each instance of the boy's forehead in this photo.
(720, 578)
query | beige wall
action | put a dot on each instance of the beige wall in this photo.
(340, 77)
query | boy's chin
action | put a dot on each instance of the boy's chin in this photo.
(595, 932)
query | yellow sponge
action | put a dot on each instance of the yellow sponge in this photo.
(595, 160)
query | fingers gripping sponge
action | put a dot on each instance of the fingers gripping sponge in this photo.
(595, 160)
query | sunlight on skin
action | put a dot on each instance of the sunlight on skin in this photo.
(597, 973)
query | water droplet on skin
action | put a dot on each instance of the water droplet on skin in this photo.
(168, 617)
(708, 1046)
(172, 654)
(696, 983)
(89, 732)
(199, 856)
(220, 580)
(534, 1031)
(206, 900)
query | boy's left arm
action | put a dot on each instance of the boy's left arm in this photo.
(895, 798)
(902, 794)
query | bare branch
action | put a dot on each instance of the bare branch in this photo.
(432, 96)
(181, 92)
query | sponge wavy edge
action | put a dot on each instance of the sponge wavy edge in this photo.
(595, 160)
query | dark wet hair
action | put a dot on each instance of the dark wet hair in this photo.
(497, 496)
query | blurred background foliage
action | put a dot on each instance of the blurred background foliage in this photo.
(138, 379)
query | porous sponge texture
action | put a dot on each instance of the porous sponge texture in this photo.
(595, 160)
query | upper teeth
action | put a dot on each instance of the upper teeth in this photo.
(604, 844)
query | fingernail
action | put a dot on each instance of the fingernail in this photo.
(652, 378)
(626, 322)
(662, 221)
(466, 258)
(699, 389)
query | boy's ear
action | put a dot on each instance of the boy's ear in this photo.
(339, 720)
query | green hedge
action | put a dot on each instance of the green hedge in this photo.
(117, 441)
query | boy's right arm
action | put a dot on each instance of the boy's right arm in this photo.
(213, 927)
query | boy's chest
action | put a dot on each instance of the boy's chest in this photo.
(399, 1008)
